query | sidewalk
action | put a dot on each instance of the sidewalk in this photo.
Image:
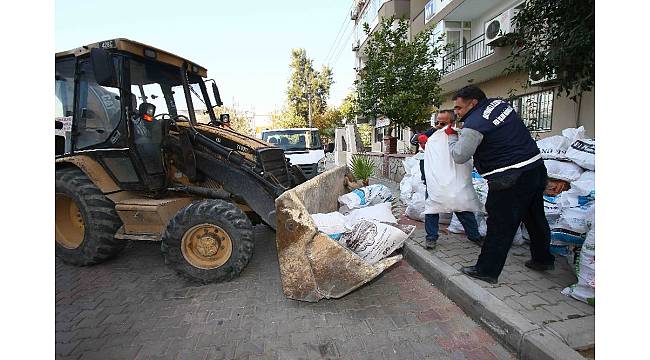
(525, 309)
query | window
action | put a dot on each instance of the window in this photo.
(295, 140)
(63, 104)
(146, 88)
(64, 87)
(536, 110)
(98, 109)
(398, 132)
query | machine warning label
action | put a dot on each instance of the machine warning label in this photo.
(63, 123)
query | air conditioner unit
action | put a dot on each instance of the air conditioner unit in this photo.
(497, 29)
(354, 14)
(539, 79)
(355, 45)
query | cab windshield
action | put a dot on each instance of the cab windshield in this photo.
(160, 85)
(294, 140)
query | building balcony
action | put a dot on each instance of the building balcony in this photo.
(475, 62)
(474, 50)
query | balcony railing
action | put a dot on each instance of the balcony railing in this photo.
(472, 51)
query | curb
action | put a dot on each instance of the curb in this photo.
(528, 340)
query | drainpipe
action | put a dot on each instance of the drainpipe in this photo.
(579, 107)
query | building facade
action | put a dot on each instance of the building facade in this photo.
(477, 56)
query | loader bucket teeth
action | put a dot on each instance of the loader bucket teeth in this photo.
(313, 265)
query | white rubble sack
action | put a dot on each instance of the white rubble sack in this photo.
(573, 134)
(332, 224)
(365, 196)
(585, 289)
(572, 226)
(449, 185)
(583, 153)
(379, 212)
(374, 240)
(554, 147)
(408, 185)
(563, 170)
(582, 192)
(415, 210)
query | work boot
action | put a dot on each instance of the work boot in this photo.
(430, 244)
(537, 266)
(474, 272)
(478, 241)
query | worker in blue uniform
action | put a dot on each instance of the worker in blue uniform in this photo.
(506, 155)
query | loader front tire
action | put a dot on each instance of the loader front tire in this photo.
(208, 241)
(85, 220)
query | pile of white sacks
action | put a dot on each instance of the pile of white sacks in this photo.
(570, 158)
(570, 161)
(365, 224)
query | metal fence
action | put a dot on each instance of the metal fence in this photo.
(466, 54)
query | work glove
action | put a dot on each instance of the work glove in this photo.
(422, 140)
(450, 131)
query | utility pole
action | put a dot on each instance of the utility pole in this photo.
(308, 90)
(309, 106)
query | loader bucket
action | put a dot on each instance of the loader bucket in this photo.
(313, 265)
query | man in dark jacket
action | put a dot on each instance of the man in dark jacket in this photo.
(466, 218)
(506, 155)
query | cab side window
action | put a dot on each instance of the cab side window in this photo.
(98, 111)
(63, 104)
(64, 87)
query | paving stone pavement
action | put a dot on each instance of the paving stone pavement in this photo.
(535, 295)
(134, 307)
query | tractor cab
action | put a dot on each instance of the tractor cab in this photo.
(126, 96)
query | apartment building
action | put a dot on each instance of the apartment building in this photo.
(476, 56)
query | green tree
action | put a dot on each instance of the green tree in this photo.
(556, 38)
(286, 118)
(240, 120)
(327, 122)
(307, 86)
(399, 79)
(347, 108)
(365, 133)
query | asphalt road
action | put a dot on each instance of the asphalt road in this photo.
(134, 306)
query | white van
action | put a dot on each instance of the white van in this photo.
(301, 145)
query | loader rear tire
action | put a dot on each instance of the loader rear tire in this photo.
(208, 241)
(85, 220)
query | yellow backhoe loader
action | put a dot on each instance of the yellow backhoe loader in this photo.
(133, 163)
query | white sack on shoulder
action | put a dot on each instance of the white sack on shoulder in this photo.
(563, 170)
(449, 185)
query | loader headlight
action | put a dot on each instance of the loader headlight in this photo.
(321, 165)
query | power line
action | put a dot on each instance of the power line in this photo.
(338, 56)
(343, 28)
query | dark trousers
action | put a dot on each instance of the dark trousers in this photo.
(511, 200)
(466, 218)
